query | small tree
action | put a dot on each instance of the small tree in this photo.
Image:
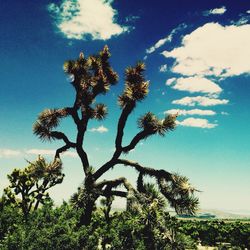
(28, 187)
(94, 76)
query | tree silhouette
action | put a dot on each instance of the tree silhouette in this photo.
(93, 76)
(28, 187)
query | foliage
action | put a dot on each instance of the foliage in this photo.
(28, 187)
(211, 231)
(47, 228)
(10, 218)
(56, 228)
(91, 77)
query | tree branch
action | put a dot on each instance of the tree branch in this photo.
(140, 136)
(122, 122)
(73, 112)
(61, 150)
(68, 144)
(119, 149)
(111, 183)
(118, 141)
(81, 127)
(104, 168)
(146, 170)
(115, 193)
(174, 187)
(61, 136)
(79, 146)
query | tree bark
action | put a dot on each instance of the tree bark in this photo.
(86, 214)
(88, 205)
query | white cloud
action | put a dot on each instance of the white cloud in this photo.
(200, 100)
(81, 18)
(70, 154)
(189, 112)
(163, 68)
(40, 151)
(51, 152)
(131, 18)
(196, 122)
(168, 38)
(170, 81)
(216, 11)
(248, 11)
(194, 84)
(242, 20)
(100, 129)
(7, 153)
(213, 49)
(159, 44)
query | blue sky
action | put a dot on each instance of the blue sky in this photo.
(197, 58)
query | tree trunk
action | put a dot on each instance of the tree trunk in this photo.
(87, 205)
(149, 238)
(86, 213)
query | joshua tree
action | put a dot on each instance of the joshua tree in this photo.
(93, 76)
(28, 187)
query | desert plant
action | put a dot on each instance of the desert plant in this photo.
(91, 77)
(28, 187)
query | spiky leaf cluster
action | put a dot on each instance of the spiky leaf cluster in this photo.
(136, 87)
(179, 194)
(47, 120)
(81, 198)
(100, 111)
(91, 76)
(149, 122)
(150, 194)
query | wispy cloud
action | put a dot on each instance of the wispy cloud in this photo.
(163, 68)
(200, 100)
(197, 123)
(194, 84)
(189, 112)
(100, 129)
(50, 152)
(243, 18)
(83, 18)
(216, 11)
(35, 151)
(8, 153)
(201, 58)
(166, 39)
(201, 54)
(131, 18)
(70, 154)
(159, 44)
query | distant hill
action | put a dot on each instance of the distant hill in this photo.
(215, 214)
(219, 214)
(209, 214)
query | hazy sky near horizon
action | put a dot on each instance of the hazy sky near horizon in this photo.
(197, 55)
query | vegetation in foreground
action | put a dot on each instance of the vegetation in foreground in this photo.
(150, 227)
